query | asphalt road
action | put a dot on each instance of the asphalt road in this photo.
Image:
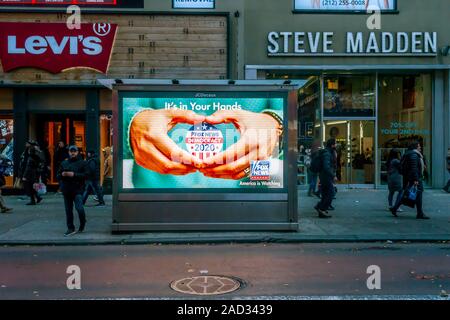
(282, 271)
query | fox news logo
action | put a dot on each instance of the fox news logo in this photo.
(260, 170)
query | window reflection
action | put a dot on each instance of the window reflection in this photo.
(404, 116)
(349, 96)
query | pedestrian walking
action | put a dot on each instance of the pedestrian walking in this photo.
(447, 187)
(327, 176)
(412, 168)
(312, 176)
(46, 164)
(5, 168)
(395, 181)
(23, 163)
(93, 178)
(72, 174)
(108, 171)
(31, 172)
(61, 154)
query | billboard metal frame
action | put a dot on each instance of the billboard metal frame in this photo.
(202, 211)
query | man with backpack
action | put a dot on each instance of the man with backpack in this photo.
(412, 167)
(323, 163)
(93, 178)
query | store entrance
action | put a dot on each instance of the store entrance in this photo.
(50, 129)
(355, 150)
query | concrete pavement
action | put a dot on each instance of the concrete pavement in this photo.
(275, 271)
(361, 215)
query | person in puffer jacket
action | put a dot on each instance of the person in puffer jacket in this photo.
(412, 169)
(72, 174)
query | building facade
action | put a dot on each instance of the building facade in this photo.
(374, 82)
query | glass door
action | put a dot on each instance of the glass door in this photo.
(355, 164)
(50, 129)
(53, 134)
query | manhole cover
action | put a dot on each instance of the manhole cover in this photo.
(206, 285)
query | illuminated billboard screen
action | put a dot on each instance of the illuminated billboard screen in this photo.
(207, 141)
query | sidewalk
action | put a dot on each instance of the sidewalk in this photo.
(361, 215)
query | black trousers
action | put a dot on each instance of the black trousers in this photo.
(419, 199)
(71, 199)
(93, 186)
(327, 191)
(447, 187)
(107, 185)
(29, 190)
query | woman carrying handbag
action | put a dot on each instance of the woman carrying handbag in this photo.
(412, 169)
(5, 169)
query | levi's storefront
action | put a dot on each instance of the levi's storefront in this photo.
(48, 73)
(371, 89)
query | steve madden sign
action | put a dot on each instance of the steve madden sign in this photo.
(293, 44)
(54, 47)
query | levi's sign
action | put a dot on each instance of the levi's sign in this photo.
(292, 44)
(54, 47)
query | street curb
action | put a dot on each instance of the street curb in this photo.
(225, 240)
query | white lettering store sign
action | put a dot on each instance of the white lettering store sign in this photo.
(292, 44)
(193, 4)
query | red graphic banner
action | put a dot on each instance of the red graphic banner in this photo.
(56, 48)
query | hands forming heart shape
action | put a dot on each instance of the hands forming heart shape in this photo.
(154, 150)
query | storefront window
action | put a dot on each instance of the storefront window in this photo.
(309, 123)
(349, 96)
(404, 116)
(7, 144)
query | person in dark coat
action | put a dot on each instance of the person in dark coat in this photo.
(312, 177)
(395, 183)
(72, 175)
(24, 160)
(327, 177)
(93, 178)
(46, 164)
(61, 154)
(31, 173)
(5, 166)
(412, 168)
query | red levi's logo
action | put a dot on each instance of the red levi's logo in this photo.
(54, 47)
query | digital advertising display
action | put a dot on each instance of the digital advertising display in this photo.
(204, 141)
(345, 5)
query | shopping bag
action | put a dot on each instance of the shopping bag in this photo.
(410, 197)
(18, 183)
(40, 188)
(412, 194)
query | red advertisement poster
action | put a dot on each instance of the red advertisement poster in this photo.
(54, 47)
